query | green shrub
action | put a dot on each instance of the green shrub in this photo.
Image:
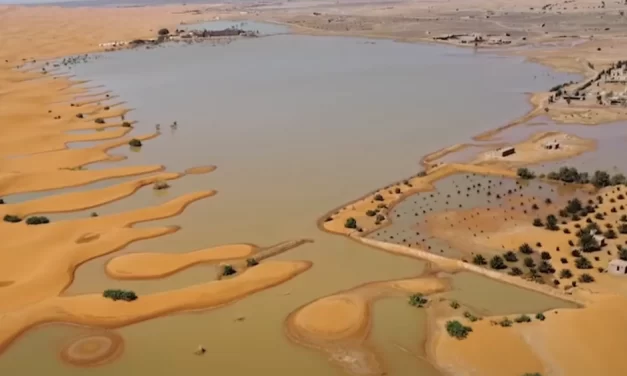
(378, 197)
(551, 223)
(586, 278)
(515, 271)
(37, 220)
(522, 318)
(12, 218)
(540, 316)
(99, 121)
(135, 143)
(525, 173)
(497, 263)
(525, 249)
(528, 261)
(457, 329)
(126, 124)
(470, 316)
(510, 256)
(479, 260)
(583, 263)
(566, 273)
(115, 294)
(455, 304)
(350, 223)
(417, 300)
(251, 262)
(228, 270)
(371, 213)
(505, 322)
(538, 222)
(545, 255)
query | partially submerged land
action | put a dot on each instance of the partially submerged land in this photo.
(521, 236)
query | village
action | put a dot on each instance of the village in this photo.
(180, 35)
(607, 88)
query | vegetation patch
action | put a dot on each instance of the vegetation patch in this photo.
(37, 220)
(418, 300)
(457, 329)
(115, 294)
(12, 218)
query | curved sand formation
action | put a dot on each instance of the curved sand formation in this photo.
(159, 265)
(340, 324)
(93, 349)
(199, 170)
(94, 310)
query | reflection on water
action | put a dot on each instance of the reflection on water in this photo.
(296, 125)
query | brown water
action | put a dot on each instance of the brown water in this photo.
(297, 126)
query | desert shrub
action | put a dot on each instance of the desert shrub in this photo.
(538, 222)
(515, 271)
(622, 254)
(12, 218)
(380, 218)
(586, 278)
(371, 213)
(525, 249)
(80, 116)
(583, 263)
(378, 197)
(479, 260)
(135, 142)
(563, 260)
(522, 318)
(545, 255)
(470, 316)
(551, 222)
(497, 263)
(99, 121)
(37, 220)
(525, 173)
(505, 322)
(252, 262)
(397, 190)
(548, 201)
(350, 223)
(587, 242)
(115, 294)
(546, 268)
(94, 214)
(457, 329)
(566, 273)
(575, 253)
(126, 124)
(228, 270)
(528, 261)
(510, 256)
(163, 32)
(598, 216)
(454, 304)
(610, 234)
(160, 185)
(540, 316)
(566, 231)
(574, 206)
(417, 300)
(535, 207)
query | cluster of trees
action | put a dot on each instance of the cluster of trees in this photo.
(599, 179)
(37, 220)
(525, 173)
(115, 294)
(457, 329)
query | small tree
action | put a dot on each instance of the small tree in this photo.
(583, 263)
(545, 255)
(538, 222)
(228, 270)
(350, 223)
(525, 248)
(12, 218)
(135, 143)
(622, 254)
(510, 256)
(540, 316)
(378, 197)
(566, 274)
(163, 32)
(528, 261)
(505, 322)
(371, 213)
(522, 318)
(586, 278)
(574, 206)
(497, 263)
(251, 262)
(551, 223)
(479, 260)
(587, 242)
(525, 173)
(454, 304)
(515, 271)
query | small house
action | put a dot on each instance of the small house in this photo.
(617, 267)
(507, 151)
(600, 239)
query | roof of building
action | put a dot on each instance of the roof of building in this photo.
(618, 262)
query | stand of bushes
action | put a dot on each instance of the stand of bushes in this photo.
(115, 294)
